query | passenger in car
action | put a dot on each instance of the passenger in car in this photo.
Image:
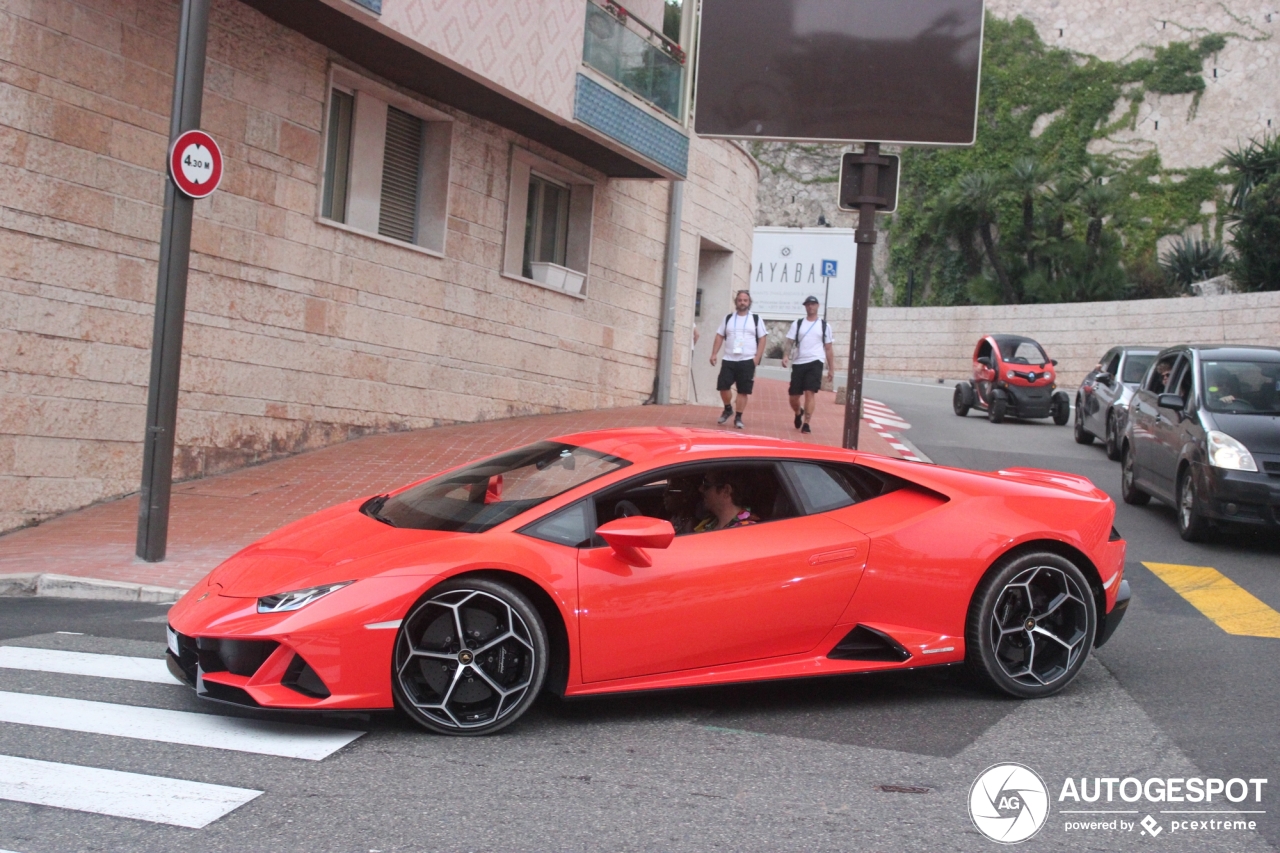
(725, 494)
(680, 500)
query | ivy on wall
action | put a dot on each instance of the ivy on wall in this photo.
(1040, 109)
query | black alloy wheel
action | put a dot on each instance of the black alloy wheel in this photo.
(1031, 624)
(470, 658)
(1082, 435)
(960, 403)
(1129, 490)
(1113, 437)
(996, 412)
(1192, 524)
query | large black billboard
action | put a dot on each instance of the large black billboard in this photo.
(849, 70)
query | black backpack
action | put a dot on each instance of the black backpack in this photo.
(823, 339)
(754, 316)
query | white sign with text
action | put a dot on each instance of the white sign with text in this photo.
(788, 264)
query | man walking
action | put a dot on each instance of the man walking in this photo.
(809, 347)
(743, 330)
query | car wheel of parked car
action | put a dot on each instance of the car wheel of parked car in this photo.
(1030, 625)
(1192, 525)
(1082, 435)
(1061, 408)
(1128, 489)
(960, 402)
(1113, 438)
(470, 658)
(995, 412)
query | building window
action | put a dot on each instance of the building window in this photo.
(548, 224)
(386, 163)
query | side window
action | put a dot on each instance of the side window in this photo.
(549, 212)
(984, 350)
(386, 167)
(570, 526)
(1159, 374)
(1182, 379)
(826, 487)
(1112, 364)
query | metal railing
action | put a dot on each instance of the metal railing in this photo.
(636, 56)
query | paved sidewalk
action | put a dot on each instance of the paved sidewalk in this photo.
(212, 518)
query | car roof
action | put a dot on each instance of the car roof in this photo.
(1013, 339)
(1230, 351)
(1138, 349)
(649, 444)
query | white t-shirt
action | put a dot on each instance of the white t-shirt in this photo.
(740, 336)
(811, 345)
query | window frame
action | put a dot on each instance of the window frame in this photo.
(436, 165)
(523, 165)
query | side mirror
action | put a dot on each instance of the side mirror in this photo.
(1054, 362)
(985, 361)
(1105, 378)
(1171, 401)
(628, 536)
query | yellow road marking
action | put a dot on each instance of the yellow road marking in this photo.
(1233, 608)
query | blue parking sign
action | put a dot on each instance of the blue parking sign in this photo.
(828, 269)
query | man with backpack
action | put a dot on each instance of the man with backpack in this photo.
(743, 331)
(809, 341)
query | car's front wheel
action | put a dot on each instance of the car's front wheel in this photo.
(1129, 489)
(996, 411)
(1060, 408)
(1192, 524)
(1082, 435)
(1030, 625)
(470, 658)
(1113, 437)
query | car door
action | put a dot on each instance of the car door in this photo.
(720, 597)
(1105, 392)
(1167, 433)
(1143, 411)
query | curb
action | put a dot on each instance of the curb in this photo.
(65, 586)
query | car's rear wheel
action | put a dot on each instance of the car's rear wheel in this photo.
(1082, 435)
(1192, 524)
(1129, 489)
(1030, 625)
(1113, 437)
(470, 658)
(960, 400)
(997, 409)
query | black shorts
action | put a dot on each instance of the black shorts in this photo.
(741, 372)
(806, 377)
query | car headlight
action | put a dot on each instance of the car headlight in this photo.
(1226, 452)
(298, 599)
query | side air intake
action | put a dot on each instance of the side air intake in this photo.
(863, 643)
(302, 678)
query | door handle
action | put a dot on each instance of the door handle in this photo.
(834, 556)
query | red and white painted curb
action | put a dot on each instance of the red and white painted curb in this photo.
(886, 422)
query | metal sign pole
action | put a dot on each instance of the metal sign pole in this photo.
(865, 236)
(171, 295)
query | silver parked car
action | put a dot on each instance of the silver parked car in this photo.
(1102, 402)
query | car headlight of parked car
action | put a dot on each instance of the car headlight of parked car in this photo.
(1226, 452)
(297, 599)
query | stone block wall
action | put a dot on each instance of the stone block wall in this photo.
(937, 343)
(299, 333)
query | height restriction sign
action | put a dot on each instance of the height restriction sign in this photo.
(195, 162)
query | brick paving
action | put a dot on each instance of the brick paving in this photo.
(212, 518)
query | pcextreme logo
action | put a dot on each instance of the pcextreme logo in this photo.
(1008, 803)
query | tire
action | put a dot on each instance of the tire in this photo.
(1082, 435)
(1129, 490)
(1113, 438)
(1192, 525)
(960, 402)
(999, 405)
(475, 686)
(1061, 410)
(1031, 624)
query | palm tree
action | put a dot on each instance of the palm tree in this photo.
(1030, 179)
(979, 194)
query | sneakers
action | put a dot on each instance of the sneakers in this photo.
(737, 421)
(799, 419)
(805, 429)
(725, 415)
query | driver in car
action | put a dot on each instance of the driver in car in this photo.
(680, 500)
(725, 495)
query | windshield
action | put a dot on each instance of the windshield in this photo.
(477, 497)
(1135, 367)
(1242, 387)
(1022, 352)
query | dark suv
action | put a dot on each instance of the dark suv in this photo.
(1203, 434)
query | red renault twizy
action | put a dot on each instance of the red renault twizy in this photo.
(1012, 376)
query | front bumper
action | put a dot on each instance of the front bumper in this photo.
(1244, 497)
(1108, 622)
(1030, 402)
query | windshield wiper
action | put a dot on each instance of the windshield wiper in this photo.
(373, 508)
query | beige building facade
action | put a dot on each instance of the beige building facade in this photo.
(431, 212)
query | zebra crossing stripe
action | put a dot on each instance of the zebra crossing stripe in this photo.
(82, 663)
(113, 792)
(287, 740)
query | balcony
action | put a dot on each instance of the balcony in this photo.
(635, 56)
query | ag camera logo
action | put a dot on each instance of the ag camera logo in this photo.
(1008, 803)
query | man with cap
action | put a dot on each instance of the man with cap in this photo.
(808, 347)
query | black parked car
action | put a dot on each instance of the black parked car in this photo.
(1203, 434)
(1102, 402)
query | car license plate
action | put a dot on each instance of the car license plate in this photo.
(173, 641)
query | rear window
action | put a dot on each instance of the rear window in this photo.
(486, 493)
(1135, 367)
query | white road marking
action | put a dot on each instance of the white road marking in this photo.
(112, 792)
(884, 421)
(82, 663)
(156, 724)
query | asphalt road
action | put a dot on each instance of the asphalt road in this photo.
(806, 766)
